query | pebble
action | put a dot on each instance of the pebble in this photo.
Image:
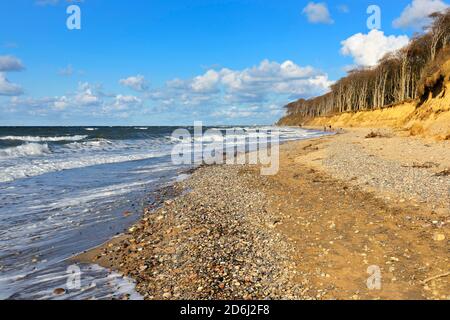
(348, 160)
(210, 243)
(59, 291)
(439, 237)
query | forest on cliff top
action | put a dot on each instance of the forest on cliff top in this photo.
(407, 74)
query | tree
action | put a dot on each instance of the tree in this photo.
(397, 77)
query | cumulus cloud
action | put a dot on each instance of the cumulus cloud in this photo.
(416, 14)
(206, 82)
(256, 94)
(318, 13)
(273, 78)
(122, 102)
(235, 112)
(137, 83)
(84, 101)
(368, 49)
(60, 103)
(10, 63)
(257, 84)
(7, 88)
(44, 104)
(86, 96)
(241, 93)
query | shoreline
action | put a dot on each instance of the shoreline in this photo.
(310, 232)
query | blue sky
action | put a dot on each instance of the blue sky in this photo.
(170, 62)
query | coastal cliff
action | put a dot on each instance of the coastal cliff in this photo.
(428, 116)
(406, 90)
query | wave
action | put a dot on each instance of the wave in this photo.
(100, 144)
(44, 139)
(249, 134)
(38, 167)
(29, 149)
(25, 161)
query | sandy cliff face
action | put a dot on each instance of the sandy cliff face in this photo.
(432, 116)
(428, 117)
(388, 117)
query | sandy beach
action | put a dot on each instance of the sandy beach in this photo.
(339, 205)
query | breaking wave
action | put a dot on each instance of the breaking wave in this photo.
(25, 150)
(44, 139)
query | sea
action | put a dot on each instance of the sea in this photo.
(65, 190)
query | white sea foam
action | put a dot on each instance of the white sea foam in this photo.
(38, 167)
(29, 149)
(96, 283)
(44, 139)
(100, 144)
(34, 159)
(210, 138)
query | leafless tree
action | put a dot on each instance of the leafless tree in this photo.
(398, 76)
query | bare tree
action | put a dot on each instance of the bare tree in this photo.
(397, 77)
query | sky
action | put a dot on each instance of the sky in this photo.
(173, 62)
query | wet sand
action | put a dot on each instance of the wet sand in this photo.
(338, 206)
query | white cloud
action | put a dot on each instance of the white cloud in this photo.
(268, 77)
(127, 99)
(122, 102)
(252, 93)
(233, 94)
(77, 102)
(207, 82)
(416, 14)
(60, 103)
(235, 112)
(137, 83)
(43, 104)
(276, 110)
(318, 13)
(7, 88)
(87, 99)
(303, 86)
(368, 49)
(255, 84)
(10, 63)
(86, 96)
